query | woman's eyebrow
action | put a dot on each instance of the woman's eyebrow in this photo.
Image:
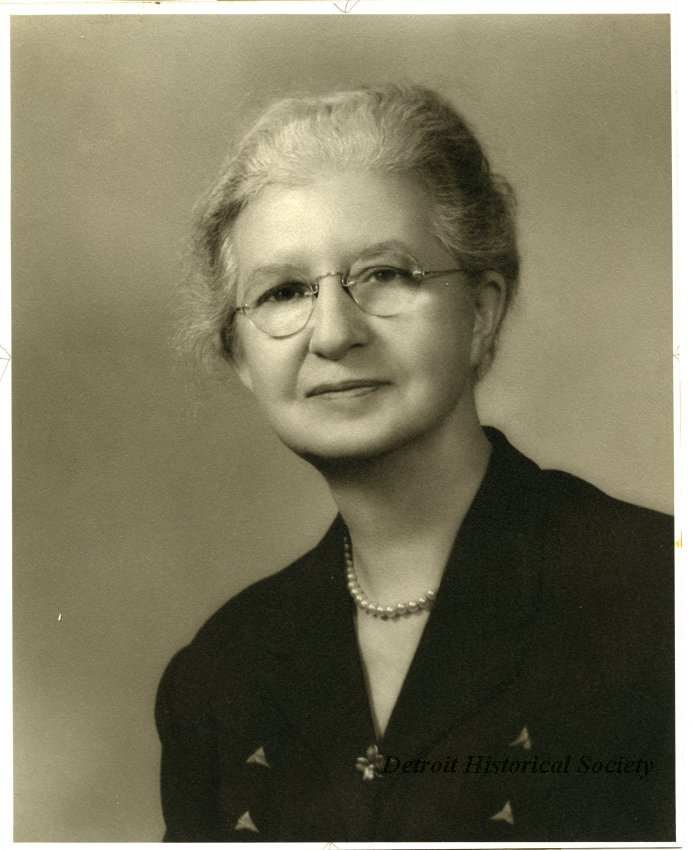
(270, 268)
(362, 254)
(382, 247)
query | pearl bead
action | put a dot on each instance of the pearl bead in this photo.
(384, 612)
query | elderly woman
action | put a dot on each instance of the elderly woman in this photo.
(478, 650)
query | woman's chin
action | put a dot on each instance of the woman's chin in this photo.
(332, 451)
(325, 454)
(338, 441)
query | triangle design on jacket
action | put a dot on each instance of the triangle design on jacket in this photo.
(258, 757)
(506, 814)
(522, 739)
(246, 822)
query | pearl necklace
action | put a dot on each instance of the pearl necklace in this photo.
(388, 612)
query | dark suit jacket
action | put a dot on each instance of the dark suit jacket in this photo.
(539, 705)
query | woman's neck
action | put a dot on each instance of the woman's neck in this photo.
(403, 509)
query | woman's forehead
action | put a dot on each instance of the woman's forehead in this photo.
(337, 215)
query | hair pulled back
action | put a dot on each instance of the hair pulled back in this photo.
(394, 129)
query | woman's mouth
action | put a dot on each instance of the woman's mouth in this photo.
(343, 389)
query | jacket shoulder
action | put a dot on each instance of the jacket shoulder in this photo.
(610, 564)
(249, 632)
(576, 505)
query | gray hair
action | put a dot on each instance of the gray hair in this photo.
(395, 129)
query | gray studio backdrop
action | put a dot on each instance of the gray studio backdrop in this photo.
(143, 500)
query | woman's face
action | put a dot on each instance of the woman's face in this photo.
(351, 384)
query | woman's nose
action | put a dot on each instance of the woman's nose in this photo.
(337, 323)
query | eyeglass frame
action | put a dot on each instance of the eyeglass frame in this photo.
(418, 274)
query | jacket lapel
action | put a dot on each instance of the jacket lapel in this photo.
(472, 647)
(320, 685)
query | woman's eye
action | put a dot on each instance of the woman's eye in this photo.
(283, 293)
(386, 274)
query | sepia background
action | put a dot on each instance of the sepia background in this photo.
(144, 497)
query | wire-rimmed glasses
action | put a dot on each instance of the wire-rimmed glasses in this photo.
(280, 304)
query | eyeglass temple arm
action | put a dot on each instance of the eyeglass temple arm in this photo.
(438, 272)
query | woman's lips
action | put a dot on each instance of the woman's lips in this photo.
(346, 388)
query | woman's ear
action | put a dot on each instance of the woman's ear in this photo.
(235, 356)
(490, 302)
(240, 368)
